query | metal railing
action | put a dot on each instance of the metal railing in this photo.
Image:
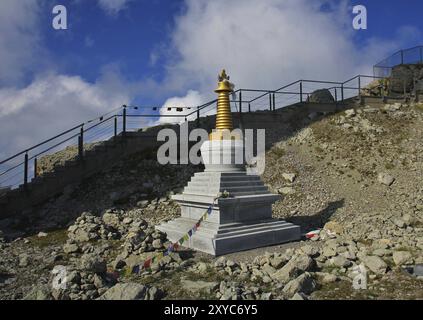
(407, 56)
(21, 168)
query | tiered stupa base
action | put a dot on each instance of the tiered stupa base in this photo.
(240, 222)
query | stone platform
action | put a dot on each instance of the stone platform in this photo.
(240, 222)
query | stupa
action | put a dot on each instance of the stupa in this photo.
(242, 219)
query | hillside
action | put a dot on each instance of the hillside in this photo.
(356, 173)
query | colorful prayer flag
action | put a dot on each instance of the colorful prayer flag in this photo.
(147, 263)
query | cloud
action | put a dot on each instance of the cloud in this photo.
(53, 103)
(19, 40)
(170, 107)
(112, 7)
(265, 44)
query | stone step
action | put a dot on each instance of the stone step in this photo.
(213, 184)
(233, 229)
(232, 190)
(252, 236)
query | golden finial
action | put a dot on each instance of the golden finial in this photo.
(224, 115)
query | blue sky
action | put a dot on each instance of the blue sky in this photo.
(128, 39)
(166, 52)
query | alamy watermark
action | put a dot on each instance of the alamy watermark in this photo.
(239, 147)
(360, 20)
(60, 278)
(60, 20)
(360, 277)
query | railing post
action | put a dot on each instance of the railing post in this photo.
(359, 86)
(402, 57)
(81, 144)
(198, 117)
(35, 167)
(240, 101)
(124, 122)
(249, 107)
(26, 171)
(274, 101)
(421, 54)
(270, 101)
(405, 88)
(301, 91)
(342, 92)
(116, 126)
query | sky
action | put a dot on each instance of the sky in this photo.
(167, 52)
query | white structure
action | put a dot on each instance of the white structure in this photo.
(240, 222)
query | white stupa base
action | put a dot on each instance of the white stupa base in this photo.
(240, 222)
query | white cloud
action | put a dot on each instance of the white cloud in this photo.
(19, 39)
(52, 104)
(113, 6)
(170, 107)
(265, 44)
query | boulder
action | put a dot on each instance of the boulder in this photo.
(125, 291)
(304, 284)
(294, 268)
(199, 286)
(321, 96)
(92, 263)
(402, 257)
(375, 264)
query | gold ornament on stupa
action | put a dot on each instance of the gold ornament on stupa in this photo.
(224, 123)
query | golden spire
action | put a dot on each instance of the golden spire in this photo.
(224, 115)
(224, 125)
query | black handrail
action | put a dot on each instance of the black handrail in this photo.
(115, 114)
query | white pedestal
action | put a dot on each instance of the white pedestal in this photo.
(241, 222)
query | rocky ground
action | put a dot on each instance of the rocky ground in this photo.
(353, 177)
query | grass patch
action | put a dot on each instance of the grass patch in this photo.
(57, 237)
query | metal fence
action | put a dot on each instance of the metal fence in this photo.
(19, 169)
(407, 56)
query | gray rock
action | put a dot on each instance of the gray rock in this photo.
(385, 179)
(125, 291)
(299, 297)
(199, 286)
(321, 96)
(40, 292)
(310, 250)
(92, 263)
(375, 264)
(24, 260)
(157, 244)
(402, 257)
(294, 268)
(304, 283)
(350, 113)
(289, 176)
(286, 190)
(70, 248)
(111, 219)
(340, 261)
